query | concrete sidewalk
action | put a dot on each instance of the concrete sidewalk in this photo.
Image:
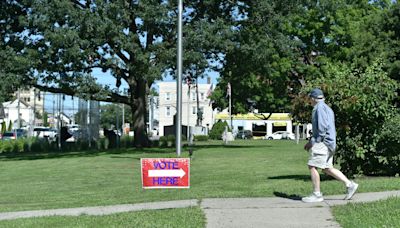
(284, 211)
(279, 211)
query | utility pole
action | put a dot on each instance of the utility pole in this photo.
(188, 114)
(117, 126)
(54, 110)
(230, 103)
(151, 113)
(89, 120)
(59, 121)
(19, 111)
(34, 108)
(198, 120)
(123, 119)
(179, 83)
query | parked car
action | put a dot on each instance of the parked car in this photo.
(44, 132)
(15, 134)
(280, 135)
(244, 134)
(8, 135)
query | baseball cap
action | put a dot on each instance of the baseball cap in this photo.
(316, 93)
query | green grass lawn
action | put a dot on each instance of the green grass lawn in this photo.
(244, 168)
(384, 213)
(184, 217)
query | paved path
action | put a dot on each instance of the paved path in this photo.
(229, 212)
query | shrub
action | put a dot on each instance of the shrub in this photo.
(171, 140)
(126, 141)
(7, 147)
(163, 141)
(388, 153)
(201, 138)
(154, 143)
(217, 129)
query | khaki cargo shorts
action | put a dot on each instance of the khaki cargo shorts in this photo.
(320, 156)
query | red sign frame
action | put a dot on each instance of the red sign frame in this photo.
(165, 172)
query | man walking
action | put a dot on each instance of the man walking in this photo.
(322, 146)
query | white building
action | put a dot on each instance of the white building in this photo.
(11, 110)
(33, 97)
(257, 122)
(167, 105)
(261, 126)
(53, 119)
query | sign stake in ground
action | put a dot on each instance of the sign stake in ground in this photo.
(165, 172)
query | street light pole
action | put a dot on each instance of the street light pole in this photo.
(179, 83)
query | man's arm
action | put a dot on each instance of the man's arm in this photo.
(321, 116)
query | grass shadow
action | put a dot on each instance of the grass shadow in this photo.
(286, 196)
(147, 150)
(47, 155)
(299, 177)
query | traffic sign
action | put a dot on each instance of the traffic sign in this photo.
(165, 172)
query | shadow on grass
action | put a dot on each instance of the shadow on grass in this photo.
(299, 177)
(47, 155)
(133, 151)
(286, 196)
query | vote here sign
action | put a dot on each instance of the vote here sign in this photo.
(165, 172)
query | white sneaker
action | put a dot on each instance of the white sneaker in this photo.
(313, 198)
(351, 190)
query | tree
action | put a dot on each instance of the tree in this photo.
(45, 119)
(282, 46)
(12, 62)
(260, 61)
(133, 40)
(109, 114)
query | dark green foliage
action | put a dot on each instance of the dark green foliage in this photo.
(171, 140)
(163, 141)
(201, 138)
(126, 141)
(3, 127)
(217, 130)
(388, 147)
(111, 112)
(45, 122)
(10, 126)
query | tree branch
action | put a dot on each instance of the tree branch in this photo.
(79, 4)
(113, 97)
(262, 116)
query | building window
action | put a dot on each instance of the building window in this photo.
(202, 96)
(194, 108)
(193, 96)
(168, 96)
(168, 111)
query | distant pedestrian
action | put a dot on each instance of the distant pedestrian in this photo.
(322, 146)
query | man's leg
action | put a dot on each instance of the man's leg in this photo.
(316, 195)
(315, 178)
(338, 175)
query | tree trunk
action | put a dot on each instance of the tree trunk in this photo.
(139, 115)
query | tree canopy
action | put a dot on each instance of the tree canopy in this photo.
(133, 40)
(281, 46)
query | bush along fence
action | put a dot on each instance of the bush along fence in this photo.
(40, 145)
